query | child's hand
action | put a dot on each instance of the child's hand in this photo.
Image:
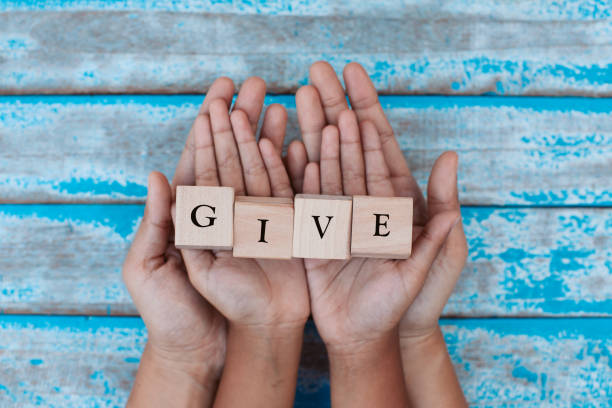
(258, 293)
(363, 299)
(420, 321)
(265, 301)
(385, 173)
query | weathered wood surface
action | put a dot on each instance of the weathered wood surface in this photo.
(66, 259)
(461, 47)
(78, 361)
(513, 151)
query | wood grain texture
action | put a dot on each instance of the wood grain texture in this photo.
(204, 217)
(513, 151)
(467, 47)
(381, 227)
(322, 226)
(66, 259)
(263, 227)
(80, 361)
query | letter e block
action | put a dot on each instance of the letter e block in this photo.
(263, 227)
(204, 217)
(322, 226)
(382, 227)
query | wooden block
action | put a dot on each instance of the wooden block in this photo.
(382, 227)
(322, 226)
(204, 217)
(263, 227)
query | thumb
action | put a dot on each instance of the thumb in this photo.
(427, 246)
(442, 192)
(151, 240)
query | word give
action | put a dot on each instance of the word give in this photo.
(312, 226)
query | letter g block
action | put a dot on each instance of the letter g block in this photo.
(204, 217)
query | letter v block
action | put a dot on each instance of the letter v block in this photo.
(204, 217)
(263, 227)
(382, 227)
(322, 226)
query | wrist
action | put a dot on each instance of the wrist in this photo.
(425, 342)
(274, 340)
(262, 362)
(363, 352)
(367, 373)
(162, 380)
(198, 367)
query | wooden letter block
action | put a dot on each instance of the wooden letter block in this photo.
(382, 227)
(322, 226)
(263, 227)
(204, 217)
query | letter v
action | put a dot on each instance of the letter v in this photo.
(316, 218)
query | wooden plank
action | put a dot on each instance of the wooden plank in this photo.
(80, 361)
(66, 259)
(513, 150)
(462, 47)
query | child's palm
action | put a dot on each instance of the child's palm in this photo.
(250, 291)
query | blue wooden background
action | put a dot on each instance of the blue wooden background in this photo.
(96, 94)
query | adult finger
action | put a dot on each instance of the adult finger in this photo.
(151, 240)
(442, 195)
(279, 179)
(331, 176)
(253, 170)
(296, 164)
(312, 179)
(351, 155)
(226, 152)
(311, 119)
(205, 163)
(274, 126)
(324, 78)
(426, 248)
(250, 100)
(184, 175)
(365, 103)
(378, 178)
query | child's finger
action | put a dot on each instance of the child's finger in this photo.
(378, 178)
(279, 179)
(250, 99)
(351, 155)
(253, 169)
(151, 240)
(312, 179)
(331, 176)
(311, 118)
(222, 88)
(426, 248)
(330, 89)
(296, 164)
(274, 126)
(226, 152)
(205, 163)
(365, 103)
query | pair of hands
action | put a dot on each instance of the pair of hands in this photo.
(187, 298)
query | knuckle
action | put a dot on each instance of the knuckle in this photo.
(206, 175)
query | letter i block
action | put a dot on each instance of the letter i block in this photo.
(382, 227)
(322, 227)
(204, 217)
(263, 227)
